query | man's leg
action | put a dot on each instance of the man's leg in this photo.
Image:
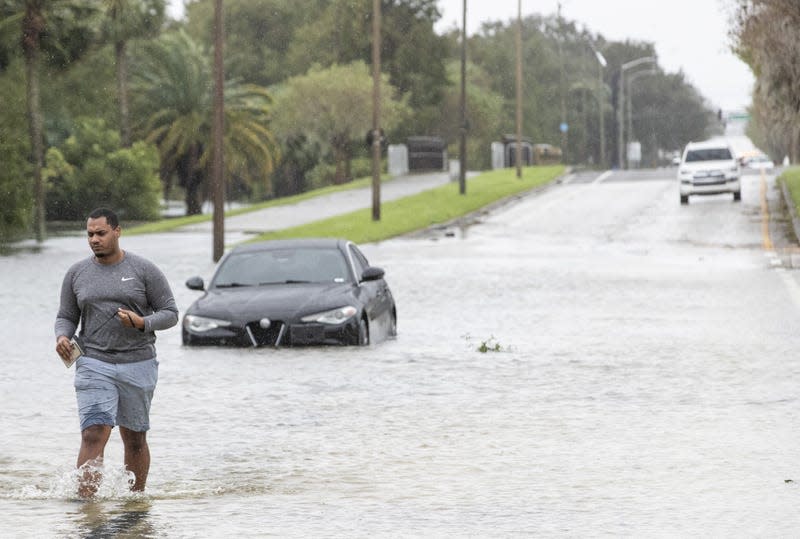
(137, 456)
(90, 455)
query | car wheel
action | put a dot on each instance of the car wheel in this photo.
(737, 196)
(186, 338)
(363, 333)
(393, 325)
(684, 199)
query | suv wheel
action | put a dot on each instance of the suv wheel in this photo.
(737, 196)
(684, 199)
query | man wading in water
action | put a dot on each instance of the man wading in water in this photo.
(120, 300)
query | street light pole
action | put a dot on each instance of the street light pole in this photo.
(601, 60)
(629, 97)
(621, 103)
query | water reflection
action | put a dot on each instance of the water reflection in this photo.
(99, 520)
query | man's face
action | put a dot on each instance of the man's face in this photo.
(103, 239)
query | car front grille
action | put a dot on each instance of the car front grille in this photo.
(274, 335)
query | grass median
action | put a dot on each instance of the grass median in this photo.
(417, 212)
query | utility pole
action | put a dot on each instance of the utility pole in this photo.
(376, 110)
(217, 179)
(462, 146)
(519, 89)
(564, 126)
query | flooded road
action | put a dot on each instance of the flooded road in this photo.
(641, 380)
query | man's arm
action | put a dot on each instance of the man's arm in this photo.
(69, 314)
(67, 319)
(159, 295)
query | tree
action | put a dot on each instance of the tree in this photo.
(14, 146)
(92, 169)
(258, 35)
(172, 79)
(411, 52)
(126, 20)
(766, 36)
(58, 31)
(334, 107)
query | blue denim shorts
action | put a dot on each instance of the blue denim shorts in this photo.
(115, 393)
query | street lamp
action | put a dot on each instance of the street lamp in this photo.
(601, 60)
(621, 104)
(629, 96)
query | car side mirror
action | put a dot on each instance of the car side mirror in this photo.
(195, 283)
(372, 274)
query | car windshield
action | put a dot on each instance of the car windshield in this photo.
(281, 266)
(709, 154)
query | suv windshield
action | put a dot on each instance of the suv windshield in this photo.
(709, 154)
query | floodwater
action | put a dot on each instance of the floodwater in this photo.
(640, 380)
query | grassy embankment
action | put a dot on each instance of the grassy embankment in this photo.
(791, 176)
(415, 212)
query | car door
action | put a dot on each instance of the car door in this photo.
(374, 294)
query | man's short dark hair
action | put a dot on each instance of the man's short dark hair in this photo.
(111, 217)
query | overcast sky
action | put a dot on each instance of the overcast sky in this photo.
(689, 35)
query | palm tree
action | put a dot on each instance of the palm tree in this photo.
(174, 95)
(127, 20)
(62, 29)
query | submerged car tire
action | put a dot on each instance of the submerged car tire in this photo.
(737, 196)
(684, 199)
(363, 333)
(393, 325)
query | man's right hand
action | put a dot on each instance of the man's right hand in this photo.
(63, 347)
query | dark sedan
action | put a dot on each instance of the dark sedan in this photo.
(291, 293)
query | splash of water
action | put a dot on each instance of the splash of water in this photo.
(115, 484)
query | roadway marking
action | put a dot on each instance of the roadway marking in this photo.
(602, 177)
(767, 241)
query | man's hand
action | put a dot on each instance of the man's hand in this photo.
(63, 347)
(130, 319)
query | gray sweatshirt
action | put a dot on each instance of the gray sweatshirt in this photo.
(91, 294)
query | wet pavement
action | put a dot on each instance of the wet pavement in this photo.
(639, 379)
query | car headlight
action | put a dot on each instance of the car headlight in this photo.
(334, 316)
(199, 324)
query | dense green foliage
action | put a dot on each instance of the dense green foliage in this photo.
(91, 169)
(172, 84)
(15, 189)
(314, 57)
(767, 38)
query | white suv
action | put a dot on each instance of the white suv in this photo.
(709, 168)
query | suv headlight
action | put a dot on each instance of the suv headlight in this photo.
(334, 316)
(200, 324)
